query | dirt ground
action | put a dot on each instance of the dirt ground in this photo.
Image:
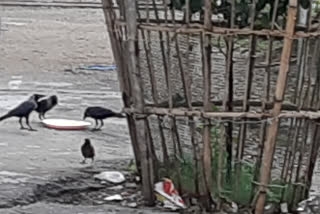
(41, 50)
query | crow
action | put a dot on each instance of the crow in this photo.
(24, 110)
(45, 105)
(100, 113)
(87, 150)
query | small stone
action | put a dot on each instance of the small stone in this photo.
(270, 209)
(284, 207)
(194, 201)
(118, 187)
(114, 198)
(99, 202)
(131, 185)
(132, 205)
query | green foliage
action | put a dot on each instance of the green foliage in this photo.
(239, 188)
(242, 10)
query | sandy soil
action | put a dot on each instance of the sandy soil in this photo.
(40, 51)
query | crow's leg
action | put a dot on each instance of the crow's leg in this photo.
(84, 161)
(27, 121)
(40, 116)
(96, 126)
(102, 124)
(92, 160)
(44, 115)
(20, 122)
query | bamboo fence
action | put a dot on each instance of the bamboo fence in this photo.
(192, 87)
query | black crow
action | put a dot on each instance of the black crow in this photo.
(100, 113)
(24, 110)
(87, 150)
(45, 105)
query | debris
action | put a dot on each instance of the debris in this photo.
(230, 207)
(15, 82)
(310, 205)
(131, 185)
(116, 197)
(270, 209)
(118, 187)
(132, 205)
(284, 208)
(168, 195)
(111, 176)
(167, 204)
(98, 67)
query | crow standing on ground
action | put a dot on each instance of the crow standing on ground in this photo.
(100, 113)
(45, 105)
(24, 110)
(87, 150)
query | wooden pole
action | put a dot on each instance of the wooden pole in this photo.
(248, 82)
(228, 96)
(122, 73)
(269, 146)
(138, 103)
(206, 60)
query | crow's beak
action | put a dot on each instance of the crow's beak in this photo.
(41, 95)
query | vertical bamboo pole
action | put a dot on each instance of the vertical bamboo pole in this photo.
(206, 56)
(248, 82)
(138, 102)
(156, 94)
(269, 146)
(266, 97)
(228, 99)
(122, 73)
(187, 82)
(154, 89)
(312, 158)
(296, 197)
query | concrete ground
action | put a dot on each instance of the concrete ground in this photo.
(41, 50)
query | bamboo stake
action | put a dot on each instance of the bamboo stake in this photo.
(285, 167)
(137, 95)
(206, 61)
(248, 83)
(300, 161)
(305, 63)
(155, 96)
(188, 83)
(290, 156)
(173, 129)
(294, 150)
(155, 93)
(153, 152)
(228, 96)
(181, 68)
(279, 94)
(165, 59)
(312, 158)
(266, 95)
(123, 78)
(154, 90)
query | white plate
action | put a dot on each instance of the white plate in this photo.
(66, 124)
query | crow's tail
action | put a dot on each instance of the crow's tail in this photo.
(5, 117)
